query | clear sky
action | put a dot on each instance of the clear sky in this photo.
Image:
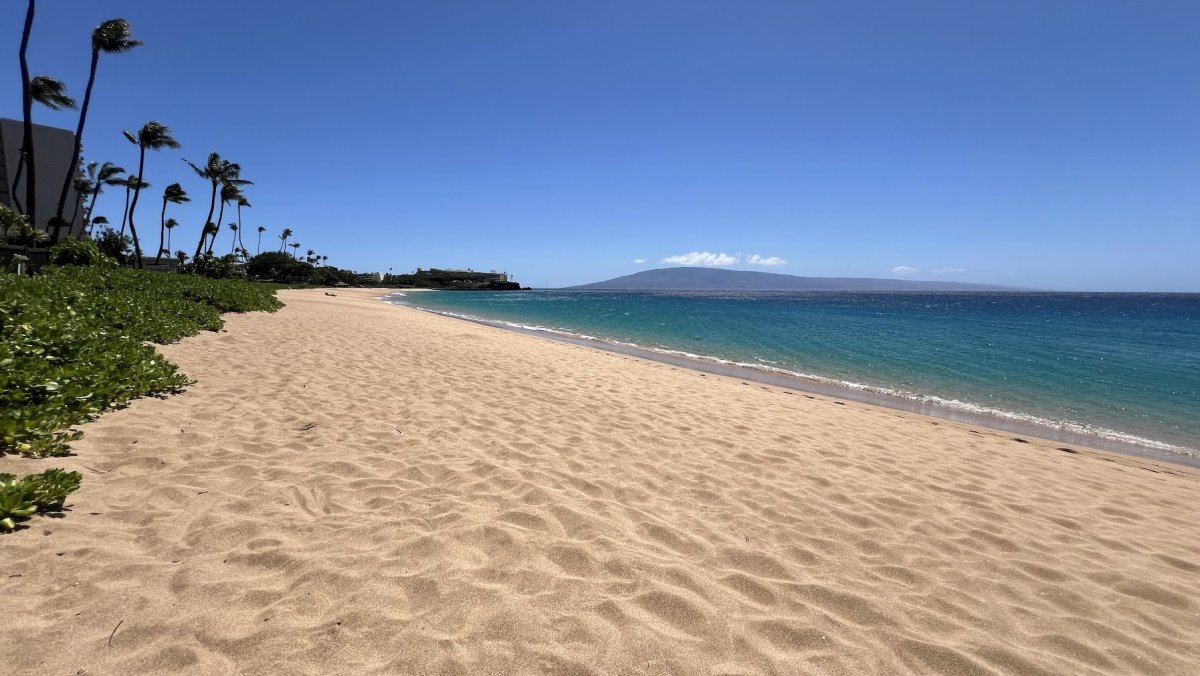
(1042, 144)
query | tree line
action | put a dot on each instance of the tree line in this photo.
(225, 179)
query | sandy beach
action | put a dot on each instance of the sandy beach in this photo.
(352, 487)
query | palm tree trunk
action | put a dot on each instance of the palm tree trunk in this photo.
(27, 110)
(83, 111)
(17, 181)
(92, 207)
(125, 214)
(168, 240)
(75, 214)
(220, 215)
(137, 191)
(259, 244)
(239, 230)
(162, 231)
(212, 203)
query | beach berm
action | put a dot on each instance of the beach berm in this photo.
(354, 487)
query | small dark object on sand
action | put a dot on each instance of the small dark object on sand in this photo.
(1064, 449)
(330, 294)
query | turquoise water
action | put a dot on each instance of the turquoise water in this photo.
(1118, 366)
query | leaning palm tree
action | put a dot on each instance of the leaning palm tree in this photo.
(174, 194)
(154, 136)
(218, 171)
(295, 247)
(110, 37)
(233, 229)
(50, 93)
(261, 230)
(283, 238)
(107, 174)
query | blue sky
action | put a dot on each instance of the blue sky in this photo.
(1042, 144)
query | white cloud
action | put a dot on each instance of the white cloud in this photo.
(947, 271)
(700, 258)
(765, 261)
(639, 261)
(905, 270)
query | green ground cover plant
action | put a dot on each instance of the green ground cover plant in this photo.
(45, 492)
(74, 342)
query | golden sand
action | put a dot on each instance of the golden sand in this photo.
(353, 487)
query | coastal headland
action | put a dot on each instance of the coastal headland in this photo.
(356, 487)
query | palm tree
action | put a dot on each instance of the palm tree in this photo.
(107, 174)
(27, 112)
(324, 260)
(261, 230)
(233, 228)
(168, 225)
(241, 202)
(219, 172)
(99, 220)
(210, 230)
(287, 232)
(155, 136)
(128, 182)
(110, 37)
(308, 257)
(175, 194)
(229, 193)
(83, 186)
(295, 246)
(52, 94)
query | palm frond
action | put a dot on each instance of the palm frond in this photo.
(113, 37)
(175, 194)
(107, 171)
(155, 135)
(50, 93)
(202, 173)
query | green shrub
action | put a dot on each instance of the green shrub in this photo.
(214, 267)
(80, 252)
(45, 492)
(114, 245)
(73, 344)
(279, 267)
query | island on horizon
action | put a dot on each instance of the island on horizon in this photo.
(711, 279)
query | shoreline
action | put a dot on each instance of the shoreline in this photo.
(797, 382)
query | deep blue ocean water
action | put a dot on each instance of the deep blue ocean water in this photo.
(1116, 366)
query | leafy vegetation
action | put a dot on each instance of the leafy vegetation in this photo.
(45, 492)
(73, 343)
(79, 252)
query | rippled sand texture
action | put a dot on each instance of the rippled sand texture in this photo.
(352, 488)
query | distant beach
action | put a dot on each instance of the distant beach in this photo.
(352, 486)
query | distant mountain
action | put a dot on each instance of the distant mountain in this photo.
(714, 279)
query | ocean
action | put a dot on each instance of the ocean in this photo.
(1119, 369)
